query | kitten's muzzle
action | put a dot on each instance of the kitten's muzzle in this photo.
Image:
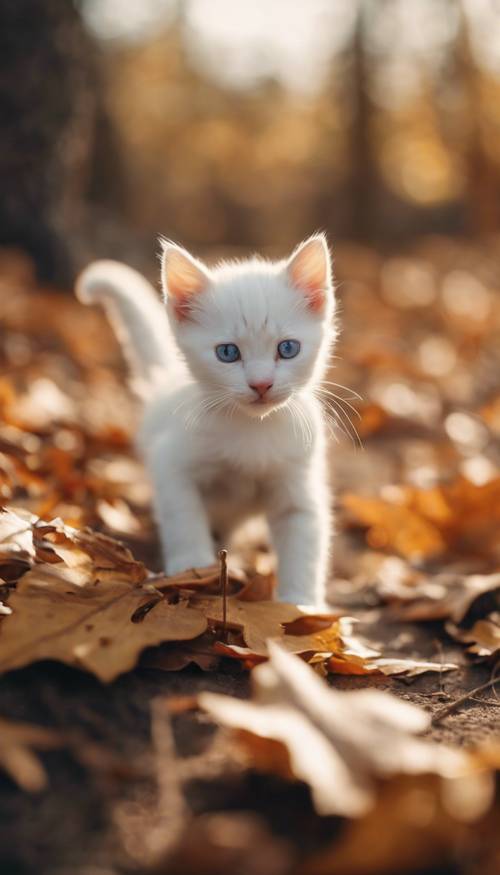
(261, 389)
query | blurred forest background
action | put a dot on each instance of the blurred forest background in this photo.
(236, 126)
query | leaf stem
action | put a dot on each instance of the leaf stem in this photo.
(223, 584)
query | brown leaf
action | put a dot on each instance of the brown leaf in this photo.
(177, 655)
(90, 556)
(395, 526)
(445, 596)
(411, 825)
(90, 628)
(258, 621)
(390, 666)
(483, 637)
(423, 523)
(340, 743)
(80, 600)
(206, 579)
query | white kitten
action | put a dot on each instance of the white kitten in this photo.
(232, 427)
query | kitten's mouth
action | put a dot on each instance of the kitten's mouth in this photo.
(262, 406)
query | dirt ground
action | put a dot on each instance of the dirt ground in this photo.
(77, 824)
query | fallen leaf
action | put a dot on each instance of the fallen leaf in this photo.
(425, 523)
(204, 579)
(340, 743)
(79, 601)
(201, 651)
(445, 596)
(90, 628)
(258, 621)
(483, 637)
(390, 666)
(408, 829)
(395, 526)
(118, 517)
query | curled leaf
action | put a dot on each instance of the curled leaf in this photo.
(340, 743)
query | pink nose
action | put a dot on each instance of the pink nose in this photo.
(261, 388)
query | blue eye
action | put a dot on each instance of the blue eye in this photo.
(288, 349)
(227, 352)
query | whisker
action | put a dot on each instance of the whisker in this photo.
(329, 393)
(305, 425)
(340, 416)
(291, 407)
(340, 386)
(204, 405)
(346, 424)
(294, 407)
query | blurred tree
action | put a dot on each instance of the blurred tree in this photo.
(400, 137)
(364, 177)
(482, 182)
(47, 109)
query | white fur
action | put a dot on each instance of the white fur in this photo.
(217, 454)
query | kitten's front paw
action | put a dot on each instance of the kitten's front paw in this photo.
(314, 602)
(177, 564)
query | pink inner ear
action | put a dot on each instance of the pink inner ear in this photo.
(309, 271)
(182, 288)
(181, 307)
(183, 280)
(315, 296)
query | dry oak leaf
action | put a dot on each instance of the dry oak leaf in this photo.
(340, 743)
(81, 600)
(17, 757)
(89, 627)
(24, 537)
(89, 556)
(446, 596)
(261, 621)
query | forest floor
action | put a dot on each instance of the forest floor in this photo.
(139, 788)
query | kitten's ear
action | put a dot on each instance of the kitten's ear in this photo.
(309, 269)
(183, 278)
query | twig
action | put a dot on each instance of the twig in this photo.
(439, 648)
(223, 583)
(172, 812)
(495, 703)
(453, 706)
(494, 674)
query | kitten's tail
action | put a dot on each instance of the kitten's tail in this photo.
(137, 316)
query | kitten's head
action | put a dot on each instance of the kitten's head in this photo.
(253, 332)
